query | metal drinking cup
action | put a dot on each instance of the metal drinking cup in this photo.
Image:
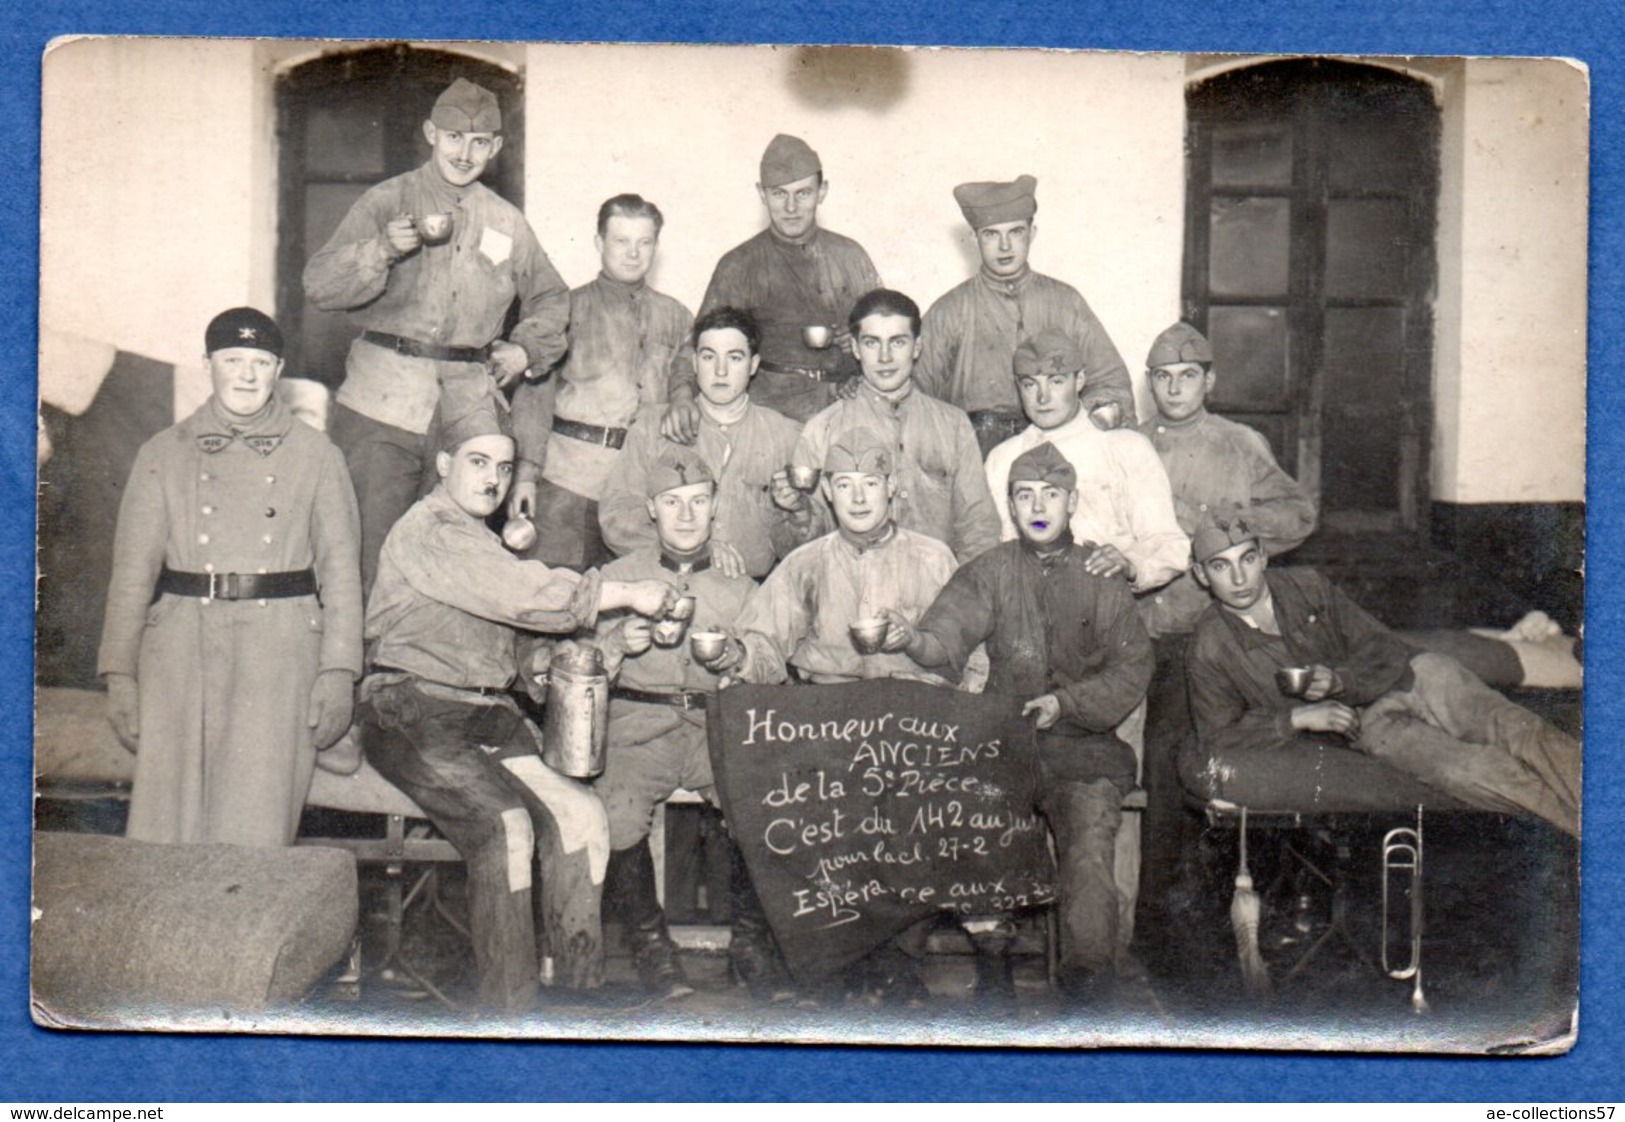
(868, 635)
(1293, 681)
(708, 645)
(668, 632)
(802, 478)
(519, 533)
(435, 229)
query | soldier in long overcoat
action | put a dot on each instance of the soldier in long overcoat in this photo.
(232, 639)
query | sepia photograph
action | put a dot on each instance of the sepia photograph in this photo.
(536, 541)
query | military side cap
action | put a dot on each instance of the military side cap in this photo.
(983, 204)
(1043, 463)
(1180, 343)
(1219, 535)
(465, 107)
(483, 418)
(677, 466)
(787, 159)
(1049, 352)
(859, 449)
(243, 327)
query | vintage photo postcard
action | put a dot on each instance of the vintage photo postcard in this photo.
(953, 547)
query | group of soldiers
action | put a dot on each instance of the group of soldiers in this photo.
(809, 452)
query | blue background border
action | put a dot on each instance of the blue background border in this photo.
(66, 1067)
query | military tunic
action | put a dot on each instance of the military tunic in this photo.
(801, 614)
(742, 457)
(1421, 713)
(786, 287)
(653, 749)
(451, 295)
(971, 334)
(941, 488)
(455, 294)
(1052, 627)
(1123, 495)
(437, 725)
(623, 339)
(1218, 468)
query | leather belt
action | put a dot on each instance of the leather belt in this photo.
(592, 434)
(416, 348)
(677, 699)
(238, 586)
(812, 372)
(435, 689)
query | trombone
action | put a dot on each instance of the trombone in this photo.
(1402, 854)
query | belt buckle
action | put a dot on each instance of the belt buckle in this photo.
(403, 346)
(222, 586)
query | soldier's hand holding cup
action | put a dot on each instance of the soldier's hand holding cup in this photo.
(716, 649)
(403, 236)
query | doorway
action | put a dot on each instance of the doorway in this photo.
(347, 121)
(1310, 264)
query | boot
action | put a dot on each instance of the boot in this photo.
(995, 974)
(895, 979)
(654, 955)
(753, 955)
(893, 971)
(1085, 988)
(617, 884)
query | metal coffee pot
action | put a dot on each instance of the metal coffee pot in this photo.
(577, 719)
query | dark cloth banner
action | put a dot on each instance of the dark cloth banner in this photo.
(863, 808)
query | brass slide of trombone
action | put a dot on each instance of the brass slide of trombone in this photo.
(1402, 856)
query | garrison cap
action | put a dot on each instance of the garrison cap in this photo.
(1180, 343)
(465, 107)
(983, 204)
(243, 327)
(858, 449)
(1051, 351)
(1043, 463)
(677, 466)
(787, 159)
(1219, 535)
(482, 417)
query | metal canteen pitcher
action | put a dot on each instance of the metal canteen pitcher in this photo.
(576, 723)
